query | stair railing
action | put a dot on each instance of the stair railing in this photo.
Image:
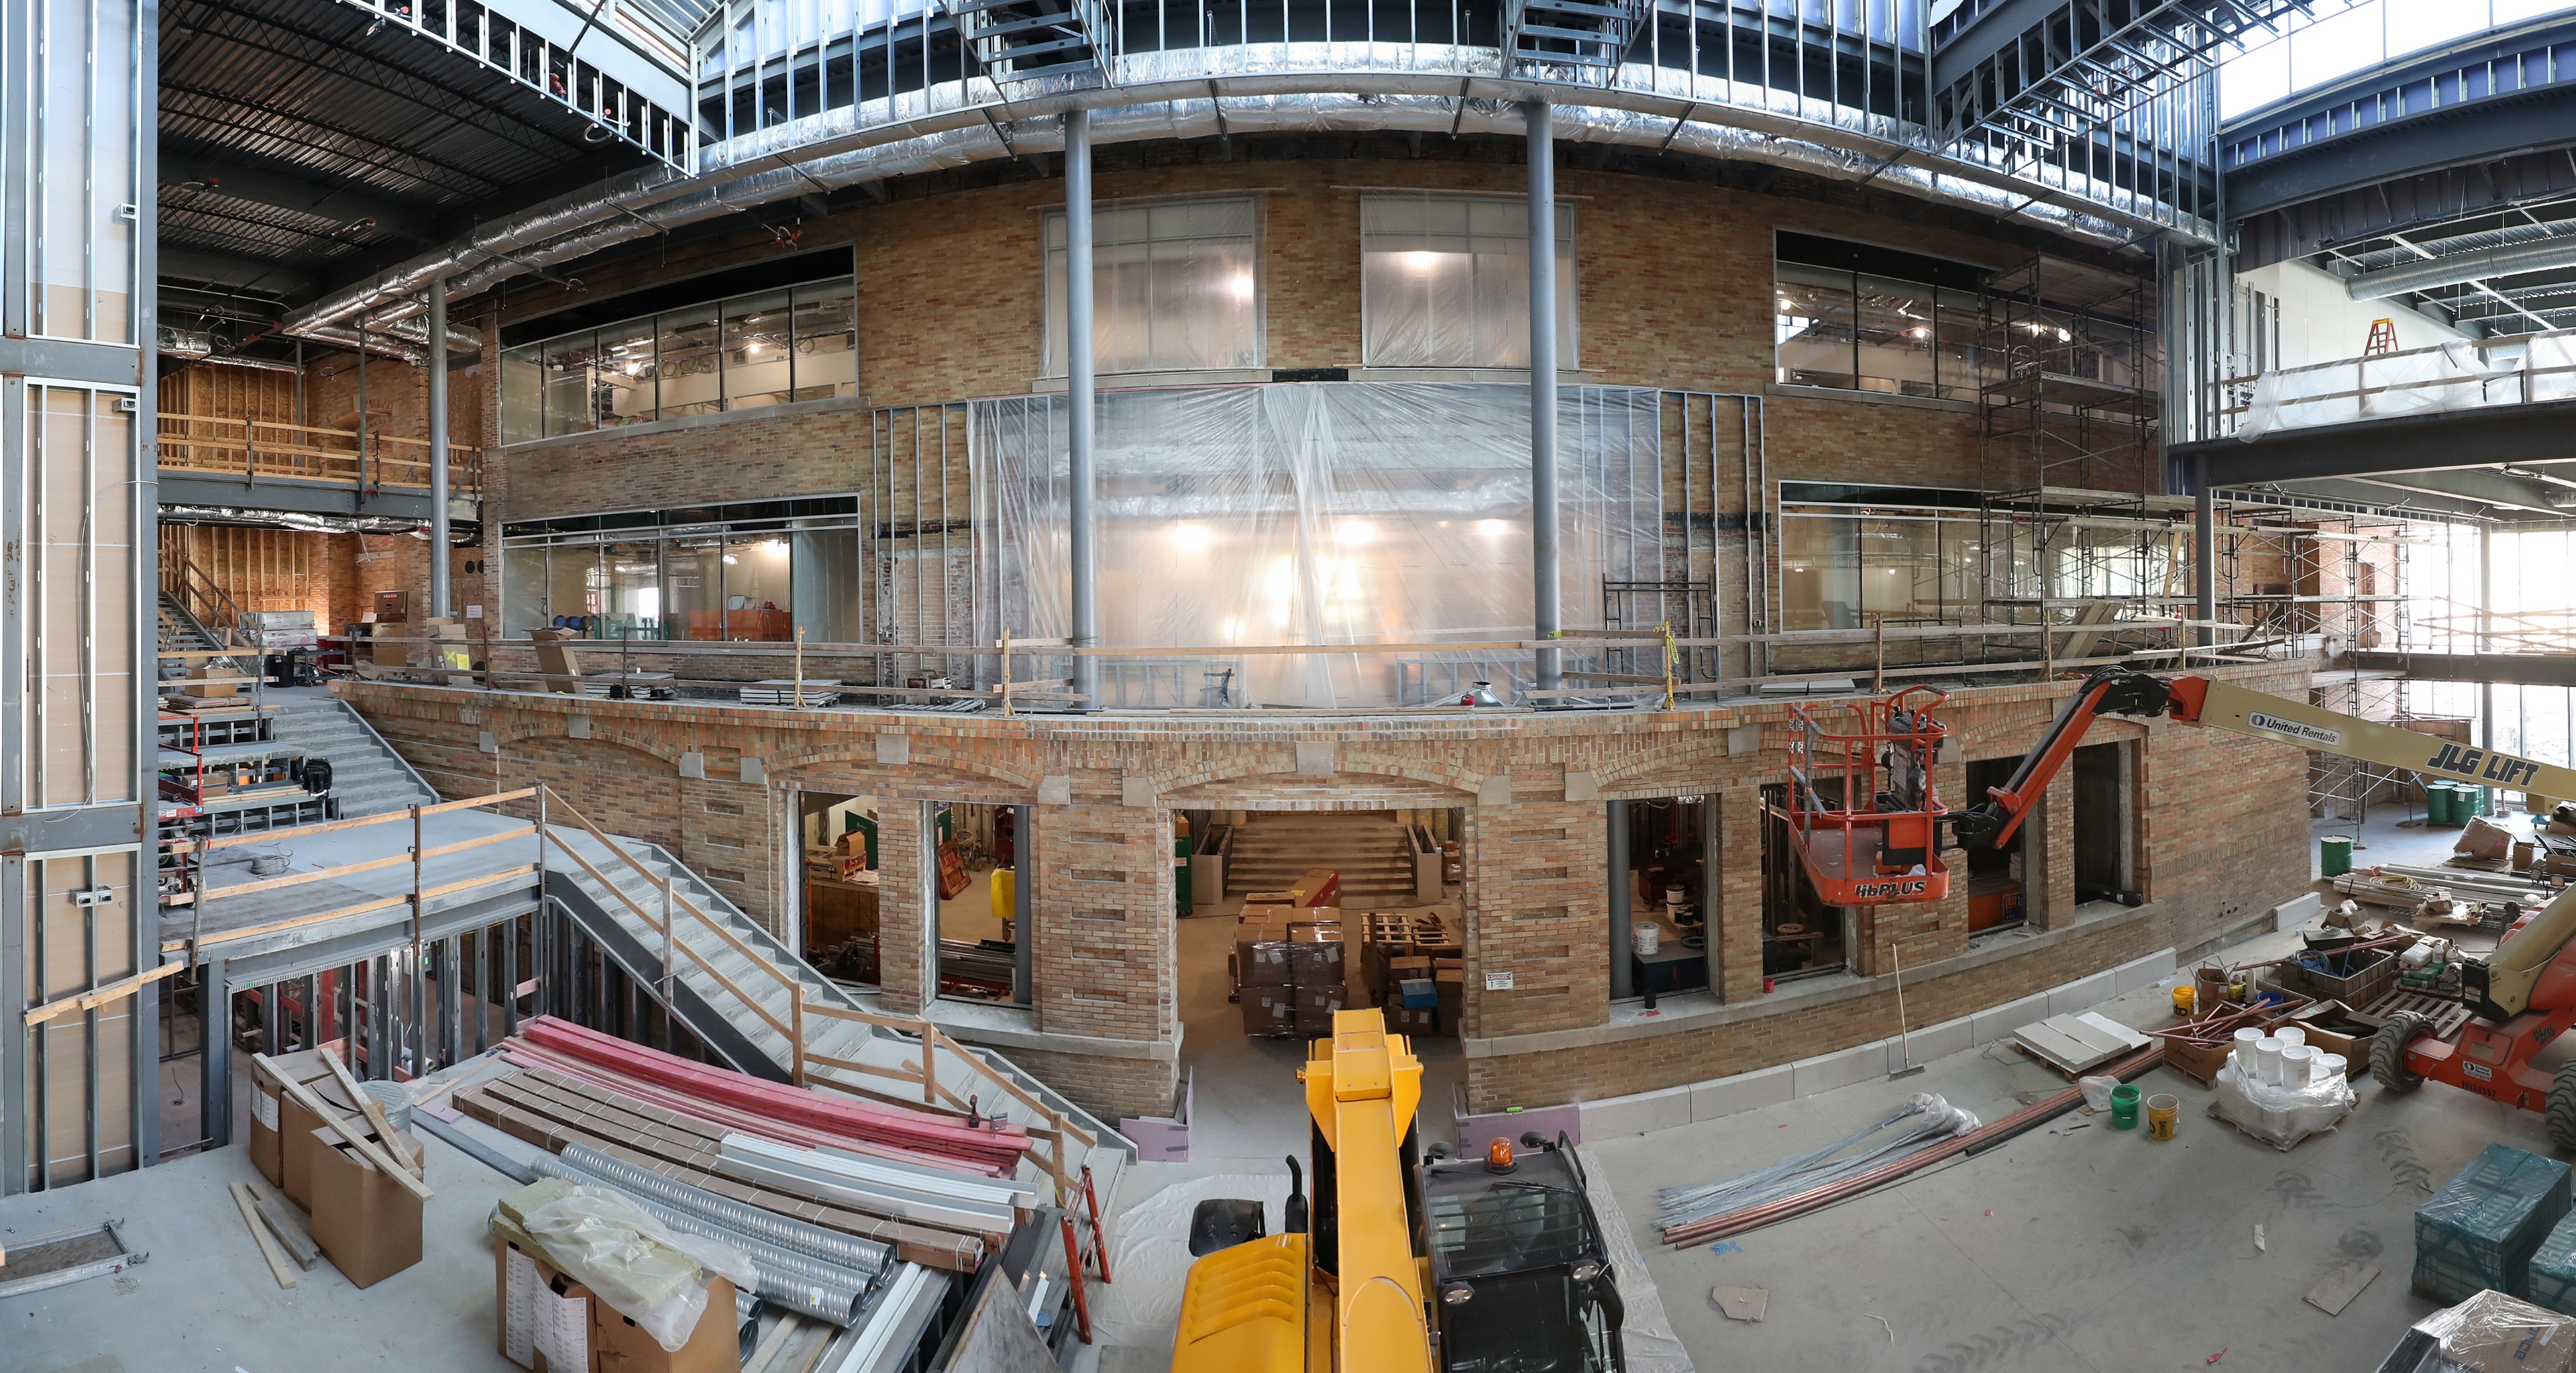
(198, 593)
(1059, 1135)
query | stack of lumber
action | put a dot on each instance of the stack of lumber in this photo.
(922, 1183)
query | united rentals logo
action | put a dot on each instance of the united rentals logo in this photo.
(1901, 887)
(2502, 768)
(2300, 730)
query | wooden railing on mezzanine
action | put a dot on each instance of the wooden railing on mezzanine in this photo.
(267, 450)
(1059, 1137)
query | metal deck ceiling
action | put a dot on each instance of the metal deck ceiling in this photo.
(305, 141)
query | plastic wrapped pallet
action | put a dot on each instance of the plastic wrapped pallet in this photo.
(2488, 1332)
(2280, 1116)
(2552, 1273)
(2482, 1228)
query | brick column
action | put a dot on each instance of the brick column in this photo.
(1540, 912)
(2050, 899)
(903, 920)
(1736, 924)
(1106, 956)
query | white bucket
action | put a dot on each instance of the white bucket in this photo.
(2298, 1065)
(1647, 939)
(2246, 1066)
(2327, 1067)
(2267, 1060)
(2291, 1036)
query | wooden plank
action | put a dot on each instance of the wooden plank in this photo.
(326, 826)
(2339, 1287)
(375, 1112)
(122, 987)
(367, 1148)
(285, 1223)
(259, 1234)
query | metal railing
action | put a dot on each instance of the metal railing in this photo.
(1059, 1134)
(776, 77)
(2463, 374)
(267, 450)
(203, 599)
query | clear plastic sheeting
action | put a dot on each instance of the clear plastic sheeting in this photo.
(2450, 376)
(647, 1272)
(2282, 1114)
(2489, 1331)
(2549, 366)
(1309, 513)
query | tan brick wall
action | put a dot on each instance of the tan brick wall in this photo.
(1674, 285)
(2222, 821)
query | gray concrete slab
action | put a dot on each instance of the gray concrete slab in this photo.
(205, 1300)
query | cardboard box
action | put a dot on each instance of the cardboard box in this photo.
(561, 665)
(1452, 987)
(619, 1345)
(267, 1103)
(295, 1128)
(1417, 994)
(1261, 954)
(545, 1317)
(209, 690)
(1315, 956)
(1315, 1008)
(1418, 1024)
(1269, 1010)
(386, 654)
(366, 1222)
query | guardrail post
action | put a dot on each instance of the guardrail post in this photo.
(796, 1049)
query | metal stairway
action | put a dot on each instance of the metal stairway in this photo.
(1571, 40)
(735, 994)
(367, 776)
(1021, 40)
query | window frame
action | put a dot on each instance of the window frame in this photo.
(524, 364)
(1569, 305)
(1054, 368)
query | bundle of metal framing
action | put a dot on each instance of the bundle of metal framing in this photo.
(1939, 1120)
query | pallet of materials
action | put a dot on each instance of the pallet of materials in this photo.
(2482, 1228)
(2075, 1044)
(810, 694)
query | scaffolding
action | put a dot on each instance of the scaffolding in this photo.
(2075, 527)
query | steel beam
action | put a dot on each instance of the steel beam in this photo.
(1081, 393)
(440, 554)
(2510, 669)
(1547, 615)
(2459, 136)
(2457, 440)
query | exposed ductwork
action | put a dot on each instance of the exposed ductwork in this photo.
(658, 200)
(2463, 268)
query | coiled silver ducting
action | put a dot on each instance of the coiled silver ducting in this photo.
(799, 1282)
(831, 1246)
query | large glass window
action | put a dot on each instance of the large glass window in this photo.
(1444, 281)
(758, 572)
(742, 353)
(1176, 286)
(1855, 331)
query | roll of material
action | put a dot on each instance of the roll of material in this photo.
(2244, 1054)
(2267, 1060)
(799, 1282)
(831, 1246)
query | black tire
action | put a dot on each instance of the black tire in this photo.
(2388, 1053)
(2561, 1114)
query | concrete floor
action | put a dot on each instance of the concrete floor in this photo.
(205, 1300)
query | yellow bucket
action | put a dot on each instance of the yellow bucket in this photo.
(2183, 999)
(2163, 1114)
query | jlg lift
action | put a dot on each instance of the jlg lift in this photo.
(2523, 995)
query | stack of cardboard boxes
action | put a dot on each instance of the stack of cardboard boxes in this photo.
(367, 1223)
(1413, 966)
(1289, 968)
(551, 1323)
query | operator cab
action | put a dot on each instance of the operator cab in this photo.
(1517, 1261)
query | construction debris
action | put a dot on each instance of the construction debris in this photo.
(1741, 1303)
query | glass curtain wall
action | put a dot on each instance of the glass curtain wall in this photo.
(762, 349)
(746, 579)
(1858, 332)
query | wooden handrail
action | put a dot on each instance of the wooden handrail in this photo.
(230, 445)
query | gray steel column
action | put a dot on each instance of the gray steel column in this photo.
(1081, 391)
(1547, 615)
(2486, 623)
(2204, 550)
(439, 598)
(215, 1039)
(1623, 885)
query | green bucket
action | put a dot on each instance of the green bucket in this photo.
(2334, 854)
(2124, 1107)
(2441, 803)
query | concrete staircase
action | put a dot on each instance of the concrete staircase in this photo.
(367, 776)
(744, 1025)
(1367, 848)
(181, 632)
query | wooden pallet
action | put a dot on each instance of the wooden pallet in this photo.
(2444, 1017)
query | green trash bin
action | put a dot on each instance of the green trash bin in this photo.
(2334, 854)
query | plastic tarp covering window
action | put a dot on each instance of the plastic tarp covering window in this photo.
(1310, 513)
(2419, 381)
(2550, 359)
